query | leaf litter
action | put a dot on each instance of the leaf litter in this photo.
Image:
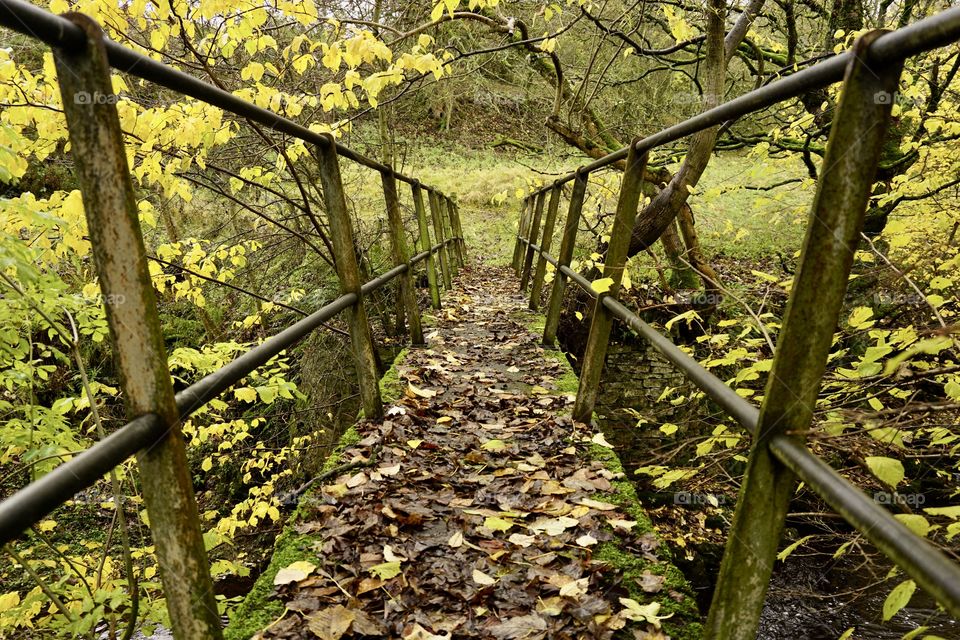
(482, 513)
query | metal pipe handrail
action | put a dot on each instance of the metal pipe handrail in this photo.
(30, 504)
(921, 560)
(57, 31)
(923, 35)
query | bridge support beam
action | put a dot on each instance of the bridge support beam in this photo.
(401, 255)
(532, 237)
(833, 233)
(345, 257)
(596, 350)
(110, 205)
(541, 271)
(426, 244)
(567, 243)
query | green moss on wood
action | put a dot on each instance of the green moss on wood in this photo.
(391, 389)
(260, 607)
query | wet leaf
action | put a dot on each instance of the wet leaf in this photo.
(294, 572)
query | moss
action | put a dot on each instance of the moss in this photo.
(684, 623)
(260, 608)
(391, 389)
(568, 382)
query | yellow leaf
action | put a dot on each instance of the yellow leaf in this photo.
(246, 394)
(602, 285)
(497, 524)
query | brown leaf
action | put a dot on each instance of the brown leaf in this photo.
(331, 623)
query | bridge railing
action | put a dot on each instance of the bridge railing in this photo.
(83, 58)
(778, 456)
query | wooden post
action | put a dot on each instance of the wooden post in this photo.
(532, 237)
(454, 231)
(833, 234)
(449, 234)
(438, 229)
(459, 226)
(545, 243)
(596, 350)
(401, 255)
(567, 245)
(521, 231)
(345, 257)
(110, 206)
(426, 244)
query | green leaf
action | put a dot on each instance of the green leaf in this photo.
(887, 470)
(245, 394)
(793, 547)
(642, 613)
(898, 598)
(386, 570)
(915, 522)
(495, 446)
(847, 634)
(950, 512)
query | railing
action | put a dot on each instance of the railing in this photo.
(778, 455)
(83, 59)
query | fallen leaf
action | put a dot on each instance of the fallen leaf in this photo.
(456, 540)
(483, 579)
(651, 582)
(495, 446)
(520, 627)
(390, 471)
(642, 613)
(390, 556)
(413, 444)
(522, 540)
(600, 440)
(553, 526)
(597, 504)
(626, 525)
(586, 541)
(385, 570)
(497, 524)
(357, 480)
(417, 391)
(330, 623)
(444, 419)
(294, 572)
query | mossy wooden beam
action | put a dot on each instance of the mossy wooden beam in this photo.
(401, 255)
(426, 244)
(567, 243)
(345, 258)
(596, 350)
(541, 271)
(532, 238)
(110, 205)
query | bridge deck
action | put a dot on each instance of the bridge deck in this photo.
(476, 509)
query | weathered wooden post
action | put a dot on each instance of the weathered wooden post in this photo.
(459, 226)
(401, 255)
(425, 244)
(448, 233)
(567, 245)
(532, 237)
(441, 237)
(454, 231)
(545, 243)
(596, 350)
(833, 231)
(345, 257)
(110, 206)
(518, 252)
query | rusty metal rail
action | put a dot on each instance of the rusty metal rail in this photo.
(778, 457)
(83, 57)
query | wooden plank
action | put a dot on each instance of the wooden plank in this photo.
(567, 245)
(401, 255)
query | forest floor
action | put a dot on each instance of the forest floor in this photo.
(476, 508)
